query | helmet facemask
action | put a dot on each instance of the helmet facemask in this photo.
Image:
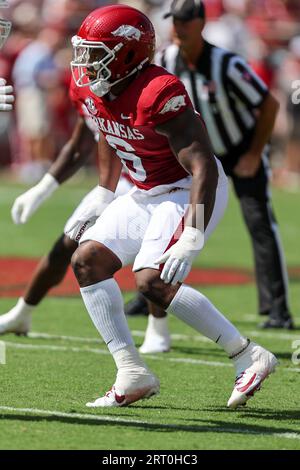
(5, 27)
(90, 64)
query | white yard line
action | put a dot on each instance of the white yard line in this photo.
(51, 347)
(79, 339)
(165, 358)
(128, 421)
(175, 337)
(277, 335)
(249, 317)
(136, 333)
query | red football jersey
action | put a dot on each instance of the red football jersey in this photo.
(128, 123)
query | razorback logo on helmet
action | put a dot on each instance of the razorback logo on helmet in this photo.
(128, 32)
(174, 104)
(90, 104)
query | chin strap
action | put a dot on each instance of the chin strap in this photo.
(102, 87)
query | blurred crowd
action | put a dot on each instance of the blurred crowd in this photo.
(36, 61)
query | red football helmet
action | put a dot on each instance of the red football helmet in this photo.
(112, 43)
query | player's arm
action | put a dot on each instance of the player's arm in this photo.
(71, 157)
(109, 173)
(190, 143)
(110, 166)
(74, 153)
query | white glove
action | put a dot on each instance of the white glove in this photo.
(89, 214)
(179, 258)
(26, 204)
(6, 96)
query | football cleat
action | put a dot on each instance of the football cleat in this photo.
(137, 306)
(253, 365)
(147, 386)
(12, 322)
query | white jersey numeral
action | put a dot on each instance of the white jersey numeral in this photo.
(138, 171)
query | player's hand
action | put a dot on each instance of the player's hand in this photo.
(247, 165)
(88, 214)
(6, 96)
(179, 258)
(26, 204)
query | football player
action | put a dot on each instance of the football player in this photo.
(53, 266)
(148, 124)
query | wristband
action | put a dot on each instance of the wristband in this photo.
(105, 195)
(47, 185)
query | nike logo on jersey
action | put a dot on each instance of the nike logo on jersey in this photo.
(124, 117)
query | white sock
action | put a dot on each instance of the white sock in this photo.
(128, 361)
(197, 311)
(22, 308)
(158, 326)
(132, 372)
(104, 303)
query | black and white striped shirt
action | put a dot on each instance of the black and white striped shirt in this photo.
(225, 91)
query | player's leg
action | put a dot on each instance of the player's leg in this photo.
(271, 272)
(252, 362)
(157, 335)
(49, 272)
(102, 252)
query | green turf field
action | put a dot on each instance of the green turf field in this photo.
(50, 375)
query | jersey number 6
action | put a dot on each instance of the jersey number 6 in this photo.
(129, 159)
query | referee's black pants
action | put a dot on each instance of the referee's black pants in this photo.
(270, 268)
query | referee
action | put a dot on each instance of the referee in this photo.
(239, 112)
